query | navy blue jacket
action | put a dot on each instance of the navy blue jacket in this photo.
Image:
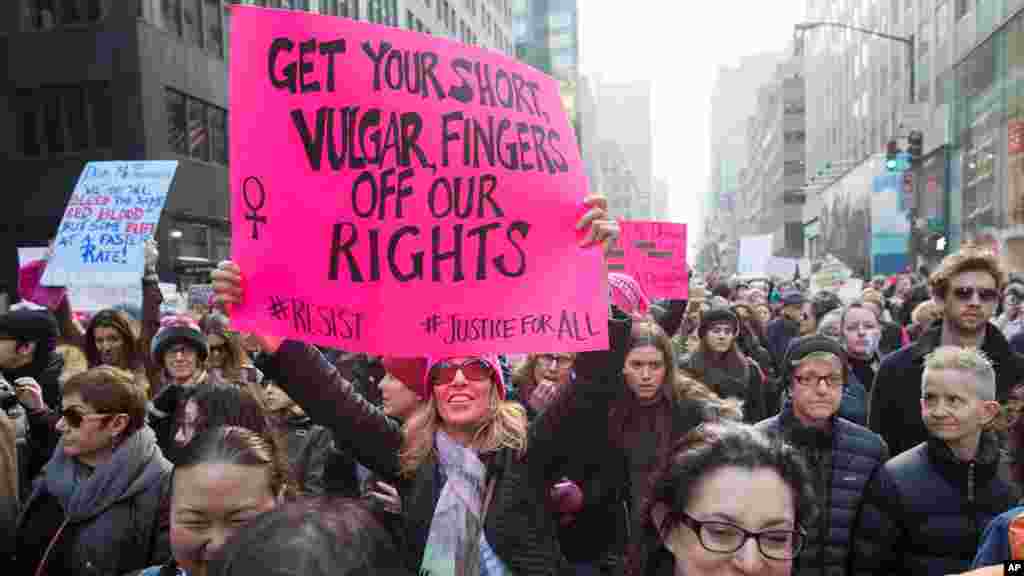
(843, 460)
(894, 410)
(778, 334)
(924, 511)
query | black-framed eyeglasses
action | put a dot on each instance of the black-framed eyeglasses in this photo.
(727, 538)
(562, 361)
(831, 381)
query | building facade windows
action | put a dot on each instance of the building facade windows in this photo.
(53, 121)
(383, 12)
(195, 128)
(987, 156)
(50, 14)
(198, 22)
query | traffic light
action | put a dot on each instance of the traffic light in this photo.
(892, 151)
(915, 144)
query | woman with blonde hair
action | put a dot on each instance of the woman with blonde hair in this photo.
(472, 472)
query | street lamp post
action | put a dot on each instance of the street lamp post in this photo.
(907, 41)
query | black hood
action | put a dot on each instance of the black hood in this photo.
(46, 370)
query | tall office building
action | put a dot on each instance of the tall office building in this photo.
(770, 195)
(624, 116)
(147, 80)
(985, 93)
(734, 100)
(113, 80)
(546, 36)
(961, 90)
(864, 91)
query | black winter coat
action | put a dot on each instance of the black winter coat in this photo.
(518, 526)
(894, 408)
(891, 340)
(310, 447)
(46, 371)
(751, 387)
(126, 533)
(37, 443)
(924, 511)
(778, 333)
(843, 459)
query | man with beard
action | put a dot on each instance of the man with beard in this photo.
(967, 285)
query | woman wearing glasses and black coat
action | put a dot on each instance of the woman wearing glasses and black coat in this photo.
(100, 505)
(842, 455)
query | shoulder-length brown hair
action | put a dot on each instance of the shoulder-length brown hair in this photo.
(506, 426)
(522, 377)
(125, 327)
(235, 357)
(649, 333)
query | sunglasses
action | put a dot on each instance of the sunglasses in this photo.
(965, 293)
(74, 418)
(475, 370)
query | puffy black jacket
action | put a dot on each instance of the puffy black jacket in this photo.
(894, 408)
(924, 511)
(844, 459)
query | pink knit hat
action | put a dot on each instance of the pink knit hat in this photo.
(29, 288)
(627, 294)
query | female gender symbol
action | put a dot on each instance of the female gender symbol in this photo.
(253, 215)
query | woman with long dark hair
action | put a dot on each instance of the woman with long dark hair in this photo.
(721, 366)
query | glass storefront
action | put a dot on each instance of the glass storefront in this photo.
(987, 121)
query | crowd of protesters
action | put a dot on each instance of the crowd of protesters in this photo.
(754, 428)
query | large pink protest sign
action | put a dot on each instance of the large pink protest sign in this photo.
(402, 194)
(655, 254)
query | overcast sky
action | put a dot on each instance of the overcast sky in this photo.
(680, 46)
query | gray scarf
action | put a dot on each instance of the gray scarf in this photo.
(456, 543)
(134, 466)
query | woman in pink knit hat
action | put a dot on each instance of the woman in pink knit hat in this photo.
(472, 472)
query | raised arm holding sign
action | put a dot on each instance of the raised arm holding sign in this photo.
(403, 194)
